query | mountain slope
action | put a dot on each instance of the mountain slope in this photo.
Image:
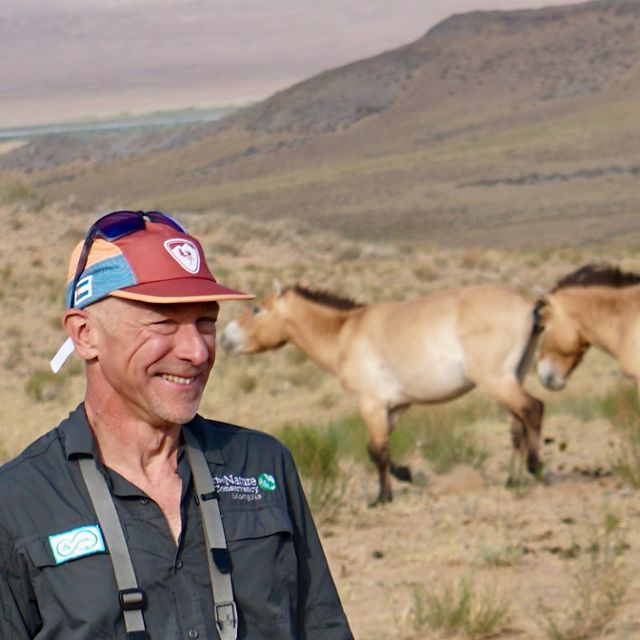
(494, 128)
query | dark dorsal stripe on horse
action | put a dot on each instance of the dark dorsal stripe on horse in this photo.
(328, 299)
(594, 275)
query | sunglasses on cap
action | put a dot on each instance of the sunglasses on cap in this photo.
(113, 226)
(110, 227)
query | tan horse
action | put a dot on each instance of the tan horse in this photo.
(394, 354)
(597, 305)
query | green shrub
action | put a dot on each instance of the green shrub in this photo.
(620, 407)
(501, 555)
(247, 383)
(600, 583)
(317, 457)
(43, 385)
(17, 192)
(447, 439)
(458, 608)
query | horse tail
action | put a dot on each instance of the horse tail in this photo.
(532, 341)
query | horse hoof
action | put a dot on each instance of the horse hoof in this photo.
(402, 473)
(534, 466)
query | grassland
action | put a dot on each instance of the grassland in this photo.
(456, 554)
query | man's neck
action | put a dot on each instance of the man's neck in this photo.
(131, 446)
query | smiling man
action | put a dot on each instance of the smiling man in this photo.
(136, 518)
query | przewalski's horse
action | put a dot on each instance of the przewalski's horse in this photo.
(394, 354)
(596, 305)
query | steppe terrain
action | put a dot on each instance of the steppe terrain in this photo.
(500, 147)
(528, 549)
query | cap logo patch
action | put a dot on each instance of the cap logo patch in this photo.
(185, 253)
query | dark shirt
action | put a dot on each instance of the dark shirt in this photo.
(281, 581)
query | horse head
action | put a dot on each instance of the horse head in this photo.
(561, 344)
(257, 329)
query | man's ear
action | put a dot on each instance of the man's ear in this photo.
(80, 327)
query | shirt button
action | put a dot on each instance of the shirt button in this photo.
(179, 564)
(144, 500)
(193, 633)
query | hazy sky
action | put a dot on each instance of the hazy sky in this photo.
(66, 59)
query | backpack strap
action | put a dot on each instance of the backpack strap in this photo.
(219, 559)
(132, 598)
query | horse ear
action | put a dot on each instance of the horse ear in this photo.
(277, 287)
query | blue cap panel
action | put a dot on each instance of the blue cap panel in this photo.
(100, 279)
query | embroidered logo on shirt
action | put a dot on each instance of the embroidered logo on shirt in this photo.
(83, 541)
(240, 487)
(243, 487)
(267, 482)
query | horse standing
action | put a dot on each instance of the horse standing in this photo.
(393, 354)
(596, 305)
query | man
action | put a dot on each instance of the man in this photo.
(114, 524)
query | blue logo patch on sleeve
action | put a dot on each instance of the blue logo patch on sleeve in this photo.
(83, 541)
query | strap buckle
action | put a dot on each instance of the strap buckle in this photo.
(132, 599)
(226, 615)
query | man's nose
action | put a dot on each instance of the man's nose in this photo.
(193, 345)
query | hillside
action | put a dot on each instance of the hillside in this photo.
(495, 128)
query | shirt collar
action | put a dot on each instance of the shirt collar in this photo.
(78, 440)
(76, 435)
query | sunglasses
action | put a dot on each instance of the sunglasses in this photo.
(113, 226)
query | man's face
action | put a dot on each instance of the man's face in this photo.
(156, 358)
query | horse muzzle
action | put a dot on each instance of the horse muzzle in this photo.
(550, 377)
(232, 338)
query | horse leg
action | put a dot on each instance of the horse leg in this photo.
(400, 472)
(533, 413)
(528, 410)
(518, 442)
(376, 418)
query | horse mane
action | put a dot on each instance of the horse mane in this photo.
(327, 299)
(593, 275)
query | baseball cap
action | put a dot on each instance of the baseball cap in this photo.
(139, 255)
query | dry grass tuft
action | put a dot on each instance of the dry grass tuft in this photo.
(600, 583)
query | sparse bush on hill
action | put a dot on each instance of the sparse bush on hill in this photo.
(458, 608)
(317, 456)
(426, 272)
(500, 555)
(15, 192)
(600, 583)
(247, 382)
(43, 385)
(620, 406)
(445, 435)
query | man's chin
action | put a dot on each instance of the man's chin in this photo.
(178, 415)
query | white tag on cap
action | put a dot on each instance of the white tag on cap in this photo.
(61, 355)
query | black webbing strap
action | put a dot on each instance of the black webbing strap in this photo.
(219, 560)
(132, 598)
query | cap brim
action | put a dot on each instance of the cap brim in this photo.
(180, 290)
